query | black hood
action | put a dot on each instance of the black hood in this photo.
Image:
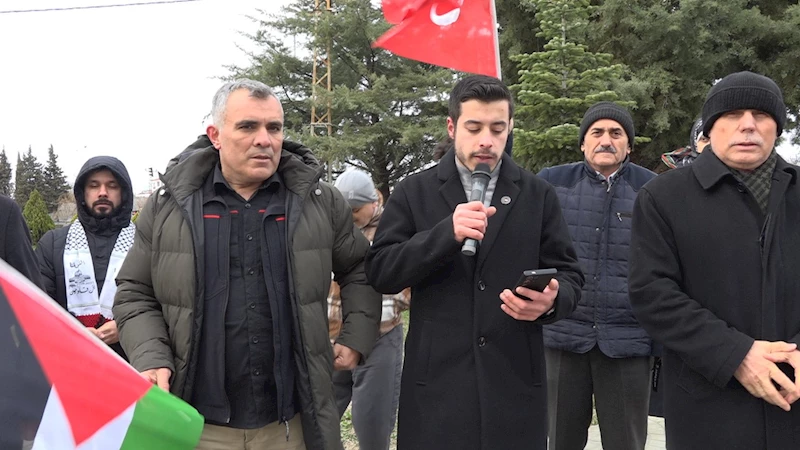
(121, 215)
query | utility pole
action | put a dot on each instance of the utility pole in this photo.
(321, 81)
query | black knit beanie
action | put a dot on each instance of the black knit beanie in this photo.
(744, 90)
(607, 110)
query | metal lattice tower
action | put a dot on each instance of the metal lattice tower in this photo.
(321, 78)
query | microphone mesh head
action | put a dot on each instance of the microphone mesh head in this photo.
(482, 170)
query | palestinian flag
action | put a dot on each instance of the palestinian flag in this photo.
(63, 388)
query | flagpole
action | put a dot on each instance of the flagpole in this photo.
(496, 39)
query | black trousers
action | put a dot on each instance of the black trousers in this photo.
(621, 391)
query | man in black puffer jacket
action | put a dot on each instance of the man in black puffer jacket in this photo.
(79, 262)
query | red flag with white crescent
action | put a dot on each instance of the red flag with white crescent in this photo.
(458, 34)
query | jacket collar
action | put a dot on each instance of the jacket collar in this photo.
(188, 171)
(447, 167)
(453, 192)
(593, 173)
(710, 170)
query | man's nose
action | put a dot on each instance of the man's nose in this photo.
(262, 138)
(747, 121)
(485, 140)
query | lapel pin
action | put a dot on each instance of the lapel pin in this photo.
(505, 200)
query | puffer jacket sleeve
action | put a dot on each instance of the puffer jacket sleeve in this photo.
(361, 304)
(142, 330)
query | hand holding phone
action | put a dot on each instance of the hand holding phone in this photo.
(535, 280)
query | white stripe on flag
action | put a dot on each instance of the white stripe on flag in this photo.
(55, 434)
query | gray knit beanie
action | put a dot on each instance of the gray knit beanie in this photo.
(744, 90)
(357, 187)
(607, 110)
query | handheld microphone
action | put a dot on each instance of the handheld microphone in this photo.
(480, 181)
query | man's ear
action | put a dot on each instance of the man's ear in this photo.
(213, 134)
(451, 128)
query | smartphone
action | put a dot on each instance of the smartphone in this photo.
(536, 280)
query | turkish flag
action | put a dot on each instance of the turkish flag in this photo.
(396, 11)
(458, 34)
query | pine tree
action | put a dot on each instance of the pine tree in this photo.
(5, 174)
(518, 29)
(54, 183)
(388, 112)
(35, 213)
(676, 50)
(558, 84)
(28, 177)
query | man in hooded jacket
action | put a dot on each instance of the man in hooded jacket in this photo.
(79, 262)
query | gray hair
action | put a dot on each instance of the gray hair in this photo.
(257, 90)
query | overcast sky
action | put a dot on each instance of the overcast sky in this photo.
(131, 82)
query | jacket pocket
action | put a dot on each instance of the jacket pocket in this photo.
(424, 359)
(536, 350)
(622, 215)
(693, 383)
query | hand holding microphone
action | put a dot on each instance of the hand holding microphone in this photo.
(470, 219)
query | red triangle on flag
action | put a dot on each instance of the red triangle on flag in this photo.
(93, 384)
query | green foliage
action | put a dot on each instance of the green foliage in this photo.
(135, 217)
(35, 213)
(54, 183)
(5, 174)
(27, 178)
(387, 112)
(518, 34)
(676, 50)
(557, 85)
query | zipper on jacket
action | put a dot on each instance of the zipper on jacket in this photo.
(619, 216)
(609, 181)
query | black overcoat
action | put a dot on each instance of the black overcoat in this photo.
(473, 377)
(709, 274)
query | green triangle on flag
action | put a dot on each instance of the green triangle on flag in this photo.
(151, 428)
